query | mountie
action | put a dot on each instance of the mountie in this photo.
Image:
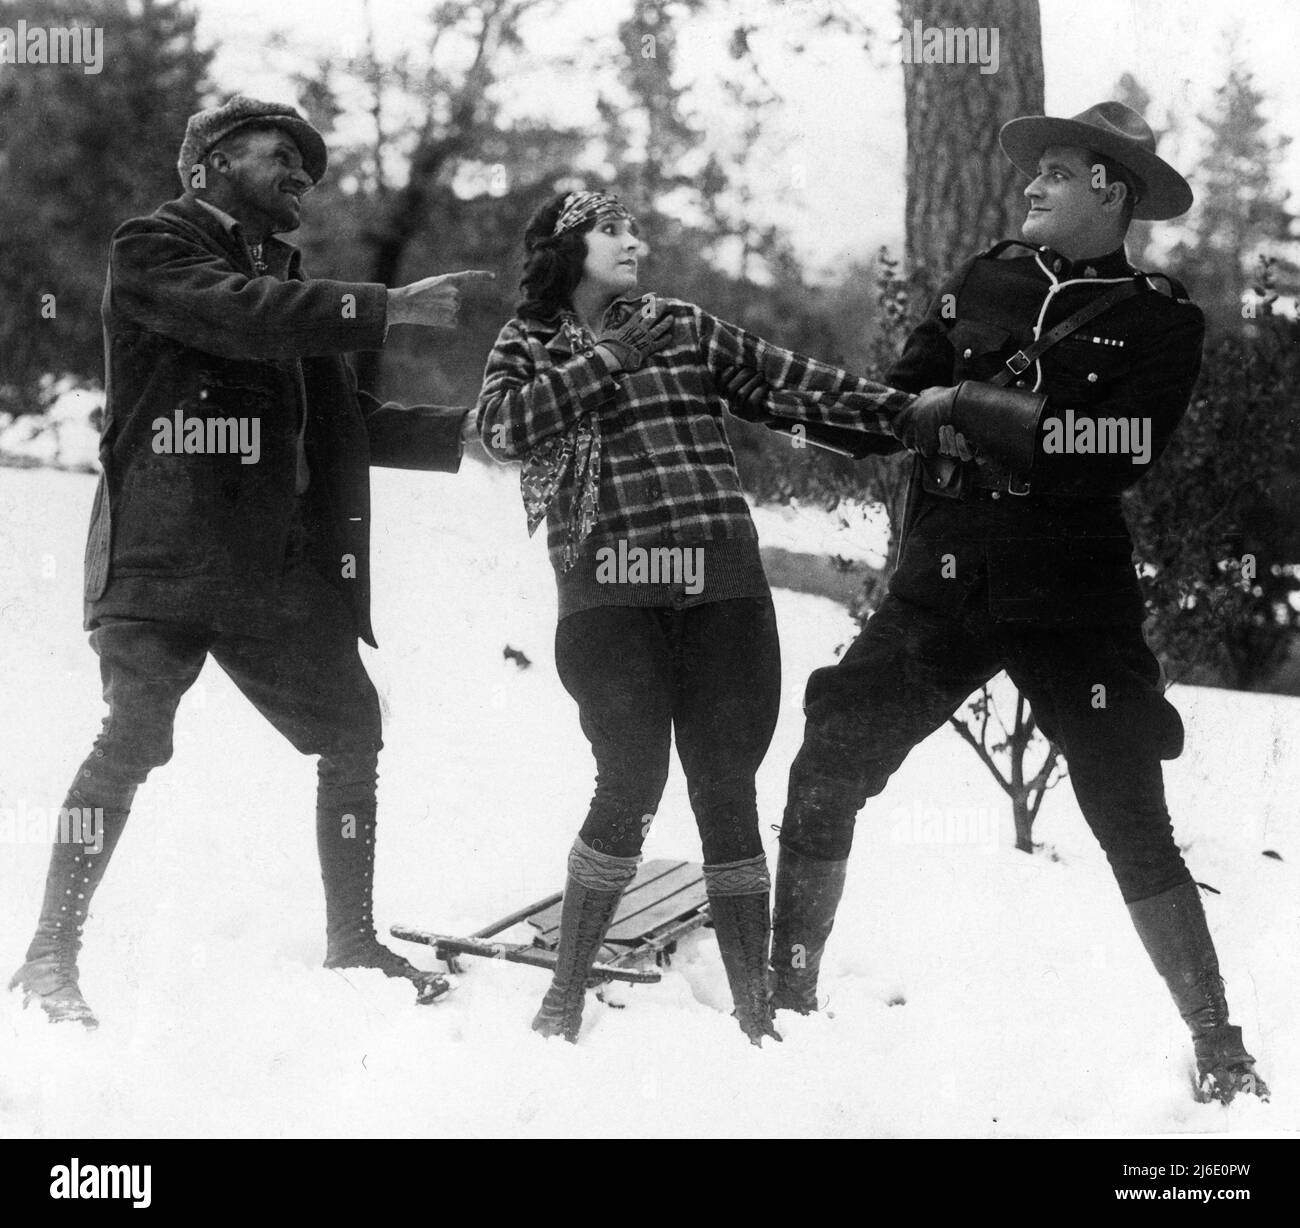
(209, 436)
(1102, 436)
(76, 1180)
(682, 565)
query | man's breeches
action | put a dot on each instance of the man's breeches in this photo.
(1095, 692)
(307, 679)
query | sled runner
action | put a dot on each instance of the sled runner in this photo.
(665, 901)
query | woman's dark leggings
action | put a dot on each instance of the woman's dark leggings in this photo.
(711, 674)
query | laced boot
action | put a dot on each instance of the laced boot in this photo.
(738, 905)
(592, 890)
(83, 847)
(346, 843)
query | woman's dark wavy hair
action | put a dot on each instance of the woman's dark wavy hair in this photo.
(552, 266)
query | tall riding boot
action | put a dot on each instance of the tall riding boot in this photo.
(592, 890)
(738, 904)
(346, 843)
(78, 862)
(807, 894)
(1173, 930)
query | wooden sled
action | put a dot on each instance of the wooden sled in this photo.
(665, 901)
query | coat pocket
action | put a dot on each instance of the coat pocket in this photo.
(1080, 369)
(977, 349)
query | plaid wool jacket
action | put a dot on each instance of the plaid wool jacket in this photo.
(667, 471)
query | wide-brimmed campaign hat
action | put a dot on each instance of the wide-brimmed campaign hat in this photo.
(206, 128)
(1115, 131)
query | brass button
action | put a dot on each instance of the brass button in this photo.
(1092, 377)
(966, 352)
(997, 494)
(1020, 383)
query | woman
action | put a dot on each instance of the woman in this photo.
(612, 401)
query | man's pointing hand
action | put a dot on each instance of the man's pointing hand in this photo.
(433, 302)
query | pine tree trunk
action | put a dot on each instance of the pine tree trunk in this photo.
(962, 193)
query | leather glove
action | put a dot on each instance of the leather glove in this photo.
(918, 426)
(1002, 422)
(746, 392)
(953, 443)
(633, 341)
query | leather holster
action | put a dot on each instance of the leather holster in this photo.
(1001, 422)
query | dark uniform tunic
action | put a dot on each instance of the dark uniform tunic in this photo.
(1039, 584)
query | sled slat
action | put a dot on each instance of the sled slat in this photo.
(656, 881)
(676, 889)
(660, 939)
(689, 897)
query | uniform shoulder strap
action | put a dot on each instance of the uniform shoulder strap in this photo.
(1170, 287)
(1003, 250)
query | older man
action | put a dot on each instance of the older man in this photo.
(1019, 558)
(232, 517)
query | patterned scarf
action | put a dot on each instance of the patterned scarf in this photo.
(571, 459)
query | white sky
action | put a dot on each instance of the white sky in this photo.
(832, 167)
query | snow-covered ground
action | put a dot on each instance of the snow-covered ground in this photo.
(973, 991)
(856, 534)
(63, 434)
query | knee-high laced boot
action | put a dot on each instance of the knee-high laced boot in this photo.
(1173, 929)
(91, 823)
(345, 839)
(592, 889)
(807, 894)
(738, 894)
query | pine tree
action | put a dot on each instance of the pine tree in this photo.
(1215, 522)
(1131, 93)
(79, 154)
(1240, 214)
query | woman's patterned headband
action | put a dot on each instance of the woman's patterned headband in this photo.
(583, 207)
